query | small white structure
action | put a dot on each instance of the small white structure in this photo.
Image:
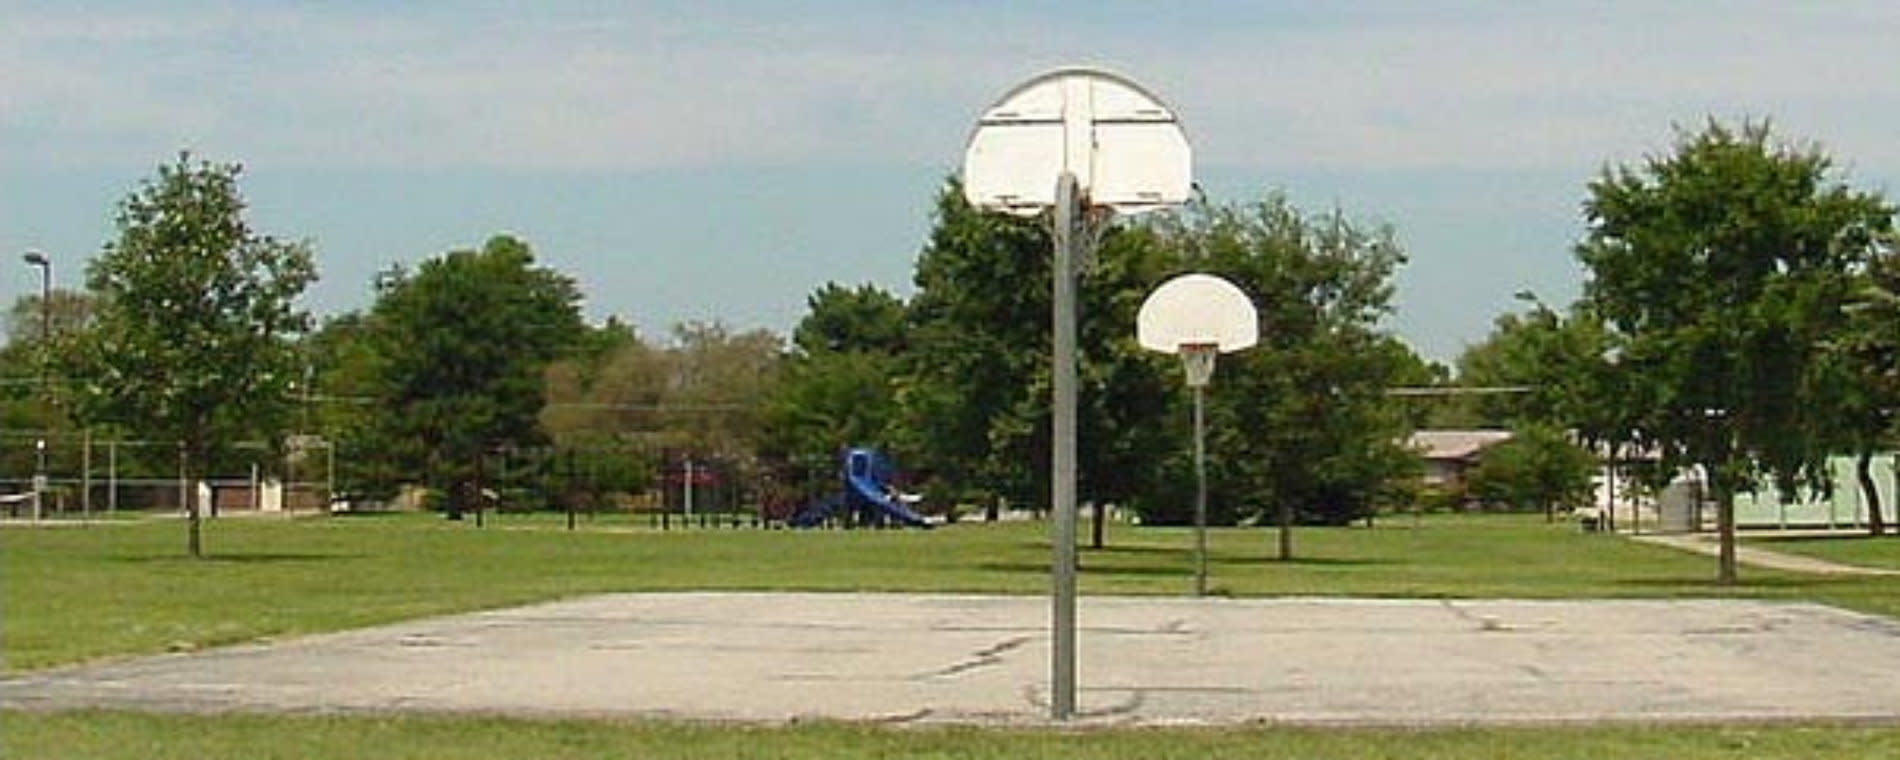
(1685, 505)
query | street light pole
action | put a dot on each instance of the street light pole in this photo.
(37, 258)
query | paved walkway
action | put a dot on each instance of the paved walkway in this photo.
(984, 659)
(1704, 543)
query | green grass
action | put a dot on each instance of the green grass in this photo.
(159, 737)
(1851, 549)
(80, 593)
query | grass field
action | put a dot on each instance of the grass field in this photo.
(134, 736)
(73, 594)
(1853, 550)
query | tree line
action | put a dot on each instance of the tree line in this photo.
(1738, 317)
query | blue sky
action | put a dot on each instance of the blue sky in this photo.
(720, 160)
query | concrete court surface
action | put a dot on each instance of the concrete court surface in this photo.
(984, 659)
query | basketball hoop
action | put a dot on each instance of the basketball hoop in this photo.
(1198, 316)
(1080, 145)
(1198, 360)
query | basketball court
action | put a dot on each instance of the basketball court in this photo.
(985, 660)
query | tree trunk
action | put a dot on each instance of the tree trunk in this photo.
(1864, 472)
(1609, 515)
(194, 541)
(1099, 510)
(1286, 531)
(1724, 528)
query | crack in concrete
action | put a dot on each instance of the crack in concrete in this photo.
(989, 656)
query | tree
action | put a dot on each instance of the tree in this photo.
(194, 314)
(840, 319)
(718, 378)
(1720, 268)
(337, 391)
(978, 339)
(26, 399)
(68, 312)
(460, 347)
(1301, 425)
(1538, 469)
(1299, 428)
(975, 386)
(1553, 358)
(1861, 372)
(613, 384)
(838, 388)
(1563, 365)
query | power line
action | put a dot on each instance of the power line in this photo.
(1474, 390)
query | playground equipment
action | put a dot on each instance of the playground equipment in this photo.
(867, 499)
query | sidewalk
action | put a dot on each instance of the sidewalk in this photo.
(1705, 543)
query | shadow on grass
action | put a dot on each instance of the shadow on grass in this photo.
(1135, 550)
(1299, 561)
(1703, 585)
(1088, 568)
(242, 558)
(372, 514)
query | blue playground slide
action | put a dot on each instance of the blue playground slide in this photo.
(869, 491)
(866, 494)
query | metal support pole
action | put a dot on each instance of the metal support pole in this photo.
(686, 487)
(45, 263)
(85, 474)
(112, 477)
(1200, 493)
(1068, 212)
(329, 475)
(39, 479)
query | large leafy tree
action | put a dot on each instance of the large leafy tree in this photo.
(1133, 422)
(1861, 373)
(601, 397)
(460, 347)
(1538, 469)
(978, 339)
(32, 331)
(612, 385)
(1300, 427)
(863, 319)
(1720, 267)
(1548, 360)
(337, 393)
(194, 313)
(1562, 372)
(65, 312)
(839, 385)
(975, 385)
(1302, 424)
(717, 381)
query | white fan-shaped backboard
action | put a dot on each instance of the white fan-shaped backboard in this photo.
(1197, 309)
(1125, 148)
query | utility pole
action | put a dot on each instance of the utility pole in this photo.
(38, 258)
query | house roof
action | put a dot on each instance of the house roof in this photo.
(1455, 444)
